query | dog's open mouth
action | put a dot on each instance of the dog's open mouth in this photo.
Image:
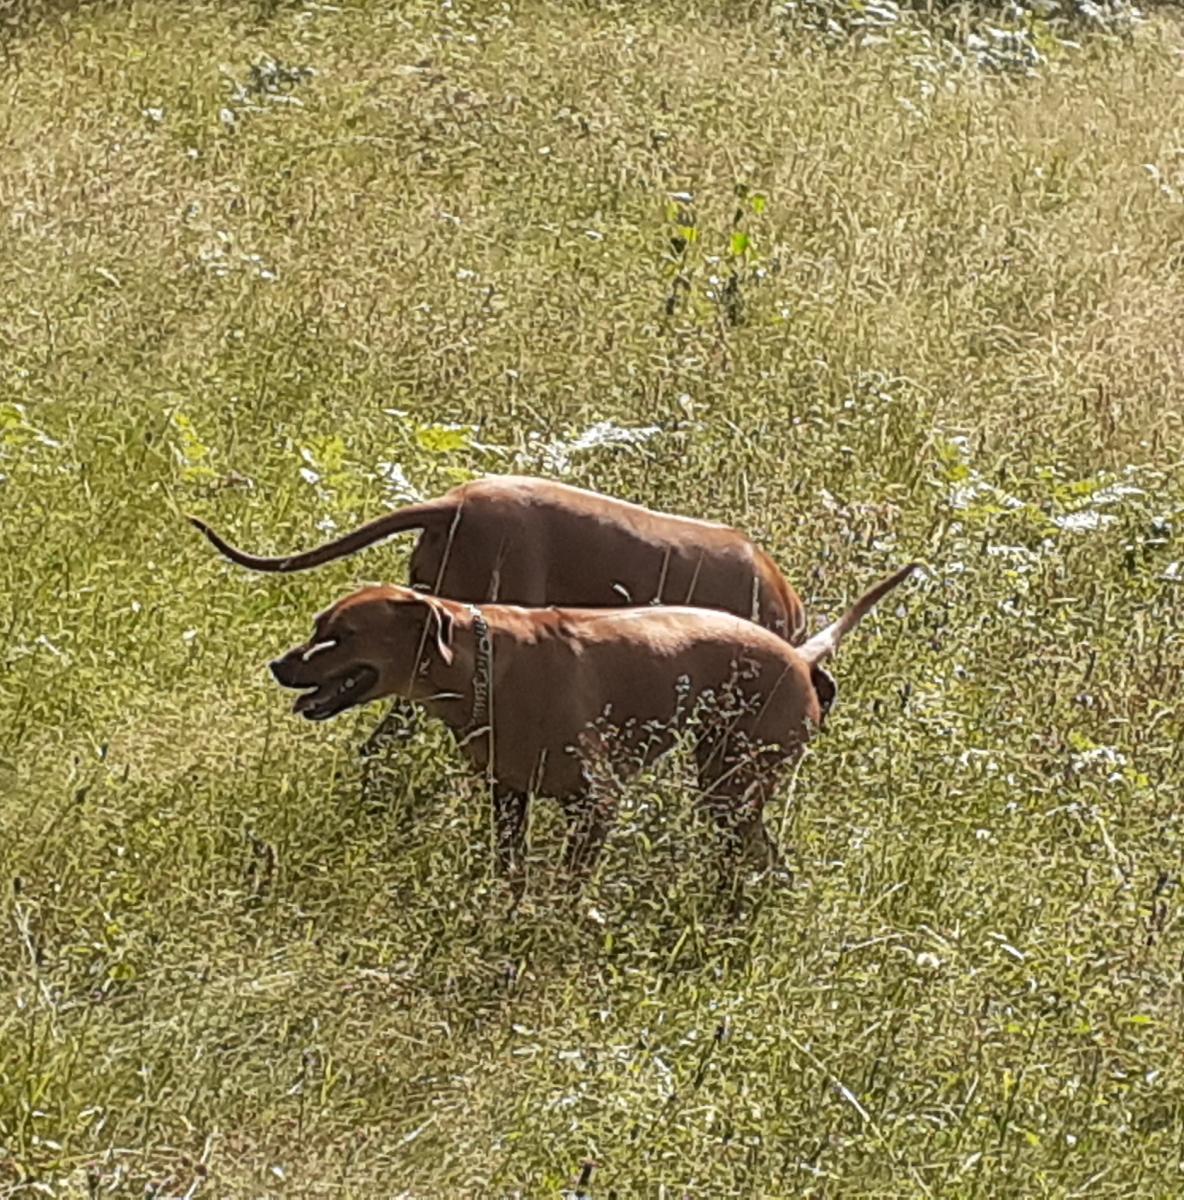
(335, 695)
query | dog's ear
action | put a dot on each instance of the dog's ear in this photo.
(437, 626)
(441, 618)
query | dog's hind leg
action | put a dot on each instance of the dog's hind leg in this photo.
(588, 826)
(736, 793)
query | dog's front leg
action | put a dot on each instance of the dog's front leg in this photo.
(400, 723)
(379, 777)
(509, 831)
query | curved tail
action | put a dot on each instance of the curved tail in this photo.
(824, 644)
(414, 516)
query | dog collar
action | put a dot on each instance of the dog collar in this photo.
(483, 672)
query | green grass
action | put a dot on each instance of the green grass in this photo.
(955, 321)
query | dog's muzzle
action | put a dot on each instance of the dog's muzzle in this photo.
(283, 669)
(325, 697)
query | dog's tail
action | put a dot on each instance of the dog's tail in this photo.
(415, 516)
(824, 644)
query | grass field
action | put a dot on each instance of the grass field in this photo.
(284, 265)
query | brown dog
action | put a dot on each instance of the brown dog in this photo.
(517, 540)
(536, 696)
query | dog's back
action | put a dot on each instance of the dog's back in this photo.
(518, 540)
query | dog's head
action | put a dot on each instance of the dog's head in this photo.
(376, 642)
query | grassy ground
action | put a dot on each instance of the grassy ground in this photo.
(875, 308)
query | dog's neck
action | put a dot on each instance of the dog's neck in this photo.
(482, 669)
(460, 693)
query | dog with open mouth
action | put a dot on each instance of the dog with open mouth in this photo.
(533, 696)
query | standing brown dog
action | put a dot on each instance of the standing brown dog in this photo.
(517, 540)
(534, 695)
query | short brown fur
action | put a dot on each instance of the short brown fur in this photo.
(559, 675)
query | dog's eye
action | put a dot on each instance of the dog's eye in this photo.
(349, 683)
